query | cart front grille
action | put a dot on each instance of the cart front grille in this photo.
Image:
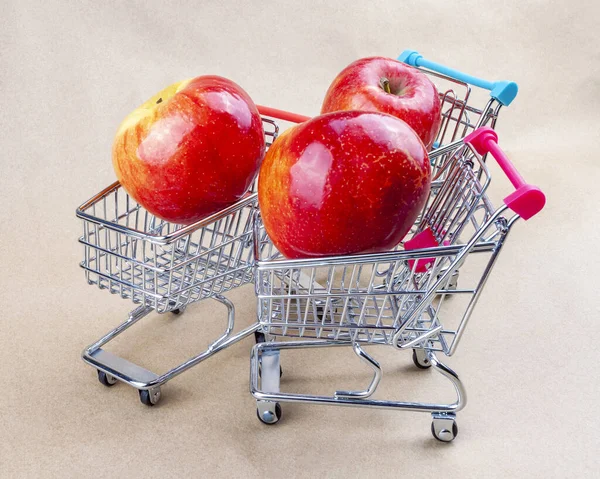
(170, 274)
(374, 298)
(163, 265)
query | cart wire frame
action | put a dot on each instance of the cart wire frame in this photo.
(163, 267)
(395, 298)
(386, 298)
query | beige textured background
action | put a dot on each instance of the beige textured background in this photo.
(69, 73)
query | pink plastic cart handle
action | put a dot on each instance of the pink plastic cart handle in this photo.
(528, 200)
(281, 114)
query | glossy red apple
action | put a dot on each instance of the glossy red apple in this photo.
(389, 86)
(191, 150)
(342, 183)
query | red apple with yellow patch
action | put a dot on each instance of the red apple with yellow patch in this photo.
(342, 183)
(191, 150)
(388, 86)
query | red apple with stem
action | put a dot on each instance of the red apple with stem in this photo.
(191, 150)
(388, 86)
(342, 183)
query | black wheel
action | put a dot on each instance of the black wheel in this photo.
(178, 311)
(149, 397)
(420, 363)
(446, 436)
(269, 420)
(106, 379)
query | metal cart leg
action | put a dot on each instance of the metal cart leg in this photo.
(265, 388)
(374, 383)
(112, 368)
(267, 411)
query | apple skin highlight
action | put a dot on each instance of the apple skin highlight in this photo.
(343, 183)
(191, 150)
(408, 94)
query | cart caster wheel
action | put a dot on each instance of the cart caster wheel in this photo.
(420, 359)
(106, 379)
(271, 415)
(259, 337)
(150, 397)
(444, 430)
(178, 311)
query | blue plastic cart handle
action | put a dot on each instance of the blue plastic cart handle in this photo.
(502, 91)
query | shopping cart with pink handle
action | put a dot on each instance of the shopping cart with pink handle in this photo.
(407, 298)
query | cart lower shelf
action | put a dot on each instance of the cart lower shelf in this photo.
(112, 368)
(265, 371)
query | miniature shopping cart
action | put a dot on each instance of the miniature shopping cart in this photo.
(163, 267)
(407, 298)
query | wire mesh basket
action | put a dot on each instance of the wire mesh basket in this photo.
(162, 265)
(396, 297)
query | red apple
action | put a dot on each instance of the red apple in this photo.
(342, 183)
(191, 150)
(389, 86)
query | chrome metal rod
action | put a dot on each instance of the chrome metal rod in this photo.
(461, 393)
(134, 317)
(224, 341)
(374, 382)
(206, 354)
(230, 321)
(458, 260)
(82, 213)
(478, 290)
(141, 378)
(262, 395)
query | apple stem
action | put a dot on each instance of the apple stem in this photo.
(159, 101)
(385, 84)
